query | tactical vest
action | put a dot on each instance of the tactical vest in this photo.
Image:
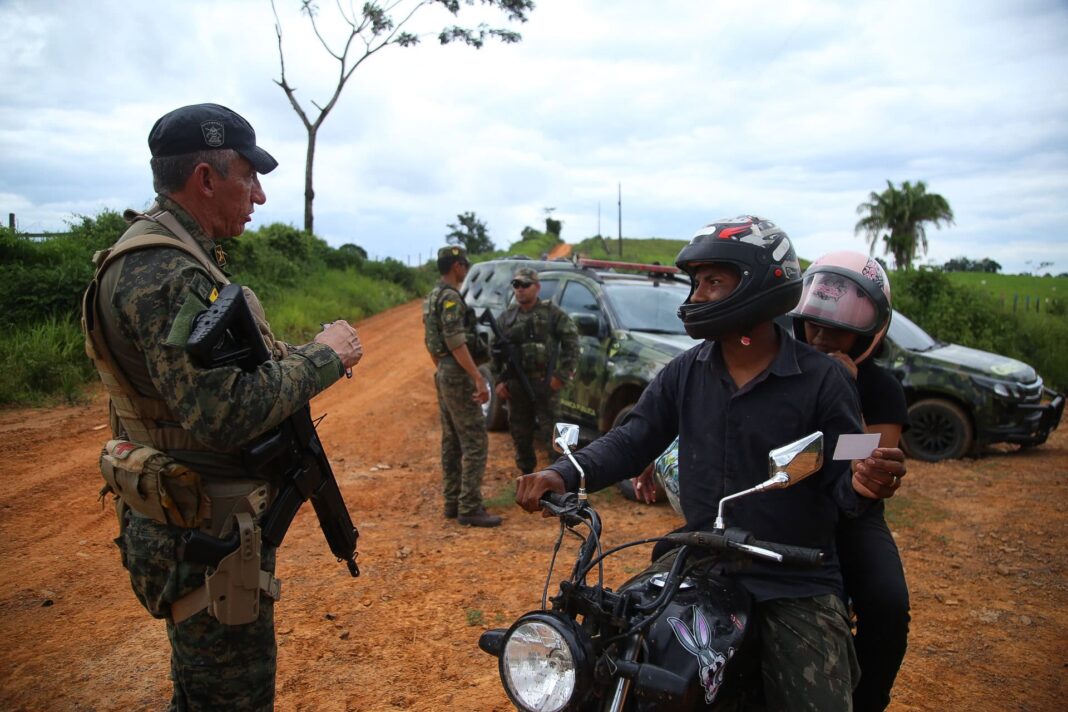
(145, 419)
(532, 336)
(432, 336)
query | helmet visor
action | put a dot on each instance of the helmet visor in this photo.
(838, 302)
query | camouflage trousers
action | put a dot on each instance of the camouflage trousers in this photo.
(808, 660)
(530, 422)
(213, 666)
(463, 438)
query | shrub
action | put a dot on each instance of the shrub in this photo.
(972, 317)
(43, 359)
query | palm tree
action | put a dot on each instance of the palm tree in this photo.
(897, 217)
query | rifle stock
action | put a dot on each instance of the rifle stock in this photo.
(227, 333)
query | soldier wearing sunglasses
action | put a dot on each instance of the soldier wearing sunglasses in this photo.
(547, 343)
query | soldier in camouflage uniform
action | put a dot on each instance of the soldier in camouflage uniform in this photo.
(193, 421)
(449, 326)
(546, 341)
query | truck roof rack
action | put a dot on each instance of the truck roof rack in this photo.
(633, 266)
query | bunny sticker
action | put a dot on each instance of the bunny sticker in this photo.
(698, 643)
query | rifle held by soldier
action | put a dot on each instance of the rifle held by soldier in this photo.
(227, 333)
(505, 351)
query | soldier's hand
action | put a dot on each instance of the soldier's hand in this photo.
(879, 476)
(502, 391)
(530, 488)
(555, 384)
(481, 391)
(343, 339)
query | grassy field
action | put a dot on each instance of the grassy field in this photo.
(1006, 287)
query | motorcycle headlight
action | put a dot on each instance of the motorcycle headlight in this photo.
(545, 663)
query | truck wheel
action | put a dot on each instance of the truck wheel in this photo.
(938, 430)
(493, 410)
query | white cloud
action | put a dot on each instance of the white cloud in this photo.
(796, 110)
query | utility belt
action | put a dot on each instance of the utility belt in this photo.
(155, 485)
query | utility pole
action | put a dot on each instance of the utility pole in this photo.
(619, 204)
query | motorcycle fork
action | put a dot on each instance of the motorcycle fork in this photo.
(630, 653)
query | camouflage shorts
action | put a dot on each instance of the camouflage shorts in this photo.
(213, 666)
(808, 659)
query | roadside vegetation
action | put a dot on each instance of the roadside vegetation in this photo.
(300, 279)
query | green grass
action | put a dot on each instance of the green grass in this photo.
(910, 511)
(646, 251)
(475, 617)
(1004, 287)
(503, 498)
(44, 363)
(295, 313)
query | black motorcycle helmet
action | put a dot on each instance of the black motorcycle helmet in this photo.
(770, 276)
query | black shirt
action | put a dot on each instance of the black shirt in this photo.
(725, 435)
(882, 399)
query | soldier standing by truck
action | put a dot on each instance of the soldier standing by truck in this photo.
(546, 340)
(449, 326)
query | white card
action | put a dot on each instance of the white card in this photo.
(855, 447)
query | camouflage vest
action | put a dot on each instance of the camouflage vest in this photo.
(532, 335)
(432, 336)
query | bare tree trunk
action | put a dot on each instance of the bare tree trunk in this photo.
(309, 191)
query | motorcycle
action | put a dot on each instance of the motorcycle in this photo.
(677, 639)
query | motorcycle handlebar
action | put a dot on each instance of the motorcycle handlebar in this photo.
(796, 555)
(557, 503)
(732, 538)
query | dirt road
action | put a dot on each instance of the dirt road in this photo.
(982, 540)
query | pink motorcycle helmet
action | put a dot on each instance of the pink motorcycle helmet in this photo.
(848, 291)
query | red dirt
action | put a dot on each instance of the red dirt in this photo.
(982, 542)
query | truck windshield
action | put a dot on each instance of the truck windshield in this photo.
(648, 307)
(907, 335)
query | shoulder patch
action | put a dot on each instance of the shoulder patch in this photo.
(182, 325)
(203, 288)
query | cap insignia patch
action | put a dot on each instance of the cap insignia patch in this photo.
(214, 133)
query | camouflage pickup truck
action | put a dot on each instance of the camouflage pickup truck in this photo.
(959, 399)
(628, 329)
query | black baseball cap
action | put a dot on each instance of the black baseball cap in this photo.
(207, 127)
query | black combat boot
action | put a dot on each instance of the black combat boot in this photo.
(479, 518)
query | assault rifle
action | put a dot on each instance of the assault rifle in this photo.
(226, 333)
(504, 350)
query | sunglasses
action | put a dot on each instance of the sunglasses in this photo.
(520, 284)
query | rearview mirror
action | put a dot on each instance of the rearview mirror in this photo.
(565, 434)
(798, 459)
(587, 324)
(787, 465)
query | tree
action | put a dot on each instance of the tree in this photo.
(896, 218)
(471, 233)
(375, 28)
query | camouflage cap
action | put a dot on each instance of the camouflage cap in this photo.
(453, 252)
(527, 274)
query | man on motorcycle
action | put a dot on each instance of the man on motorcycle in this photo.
(746, 389)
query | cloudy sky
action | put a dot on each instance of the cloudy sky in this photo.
(700, 109)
